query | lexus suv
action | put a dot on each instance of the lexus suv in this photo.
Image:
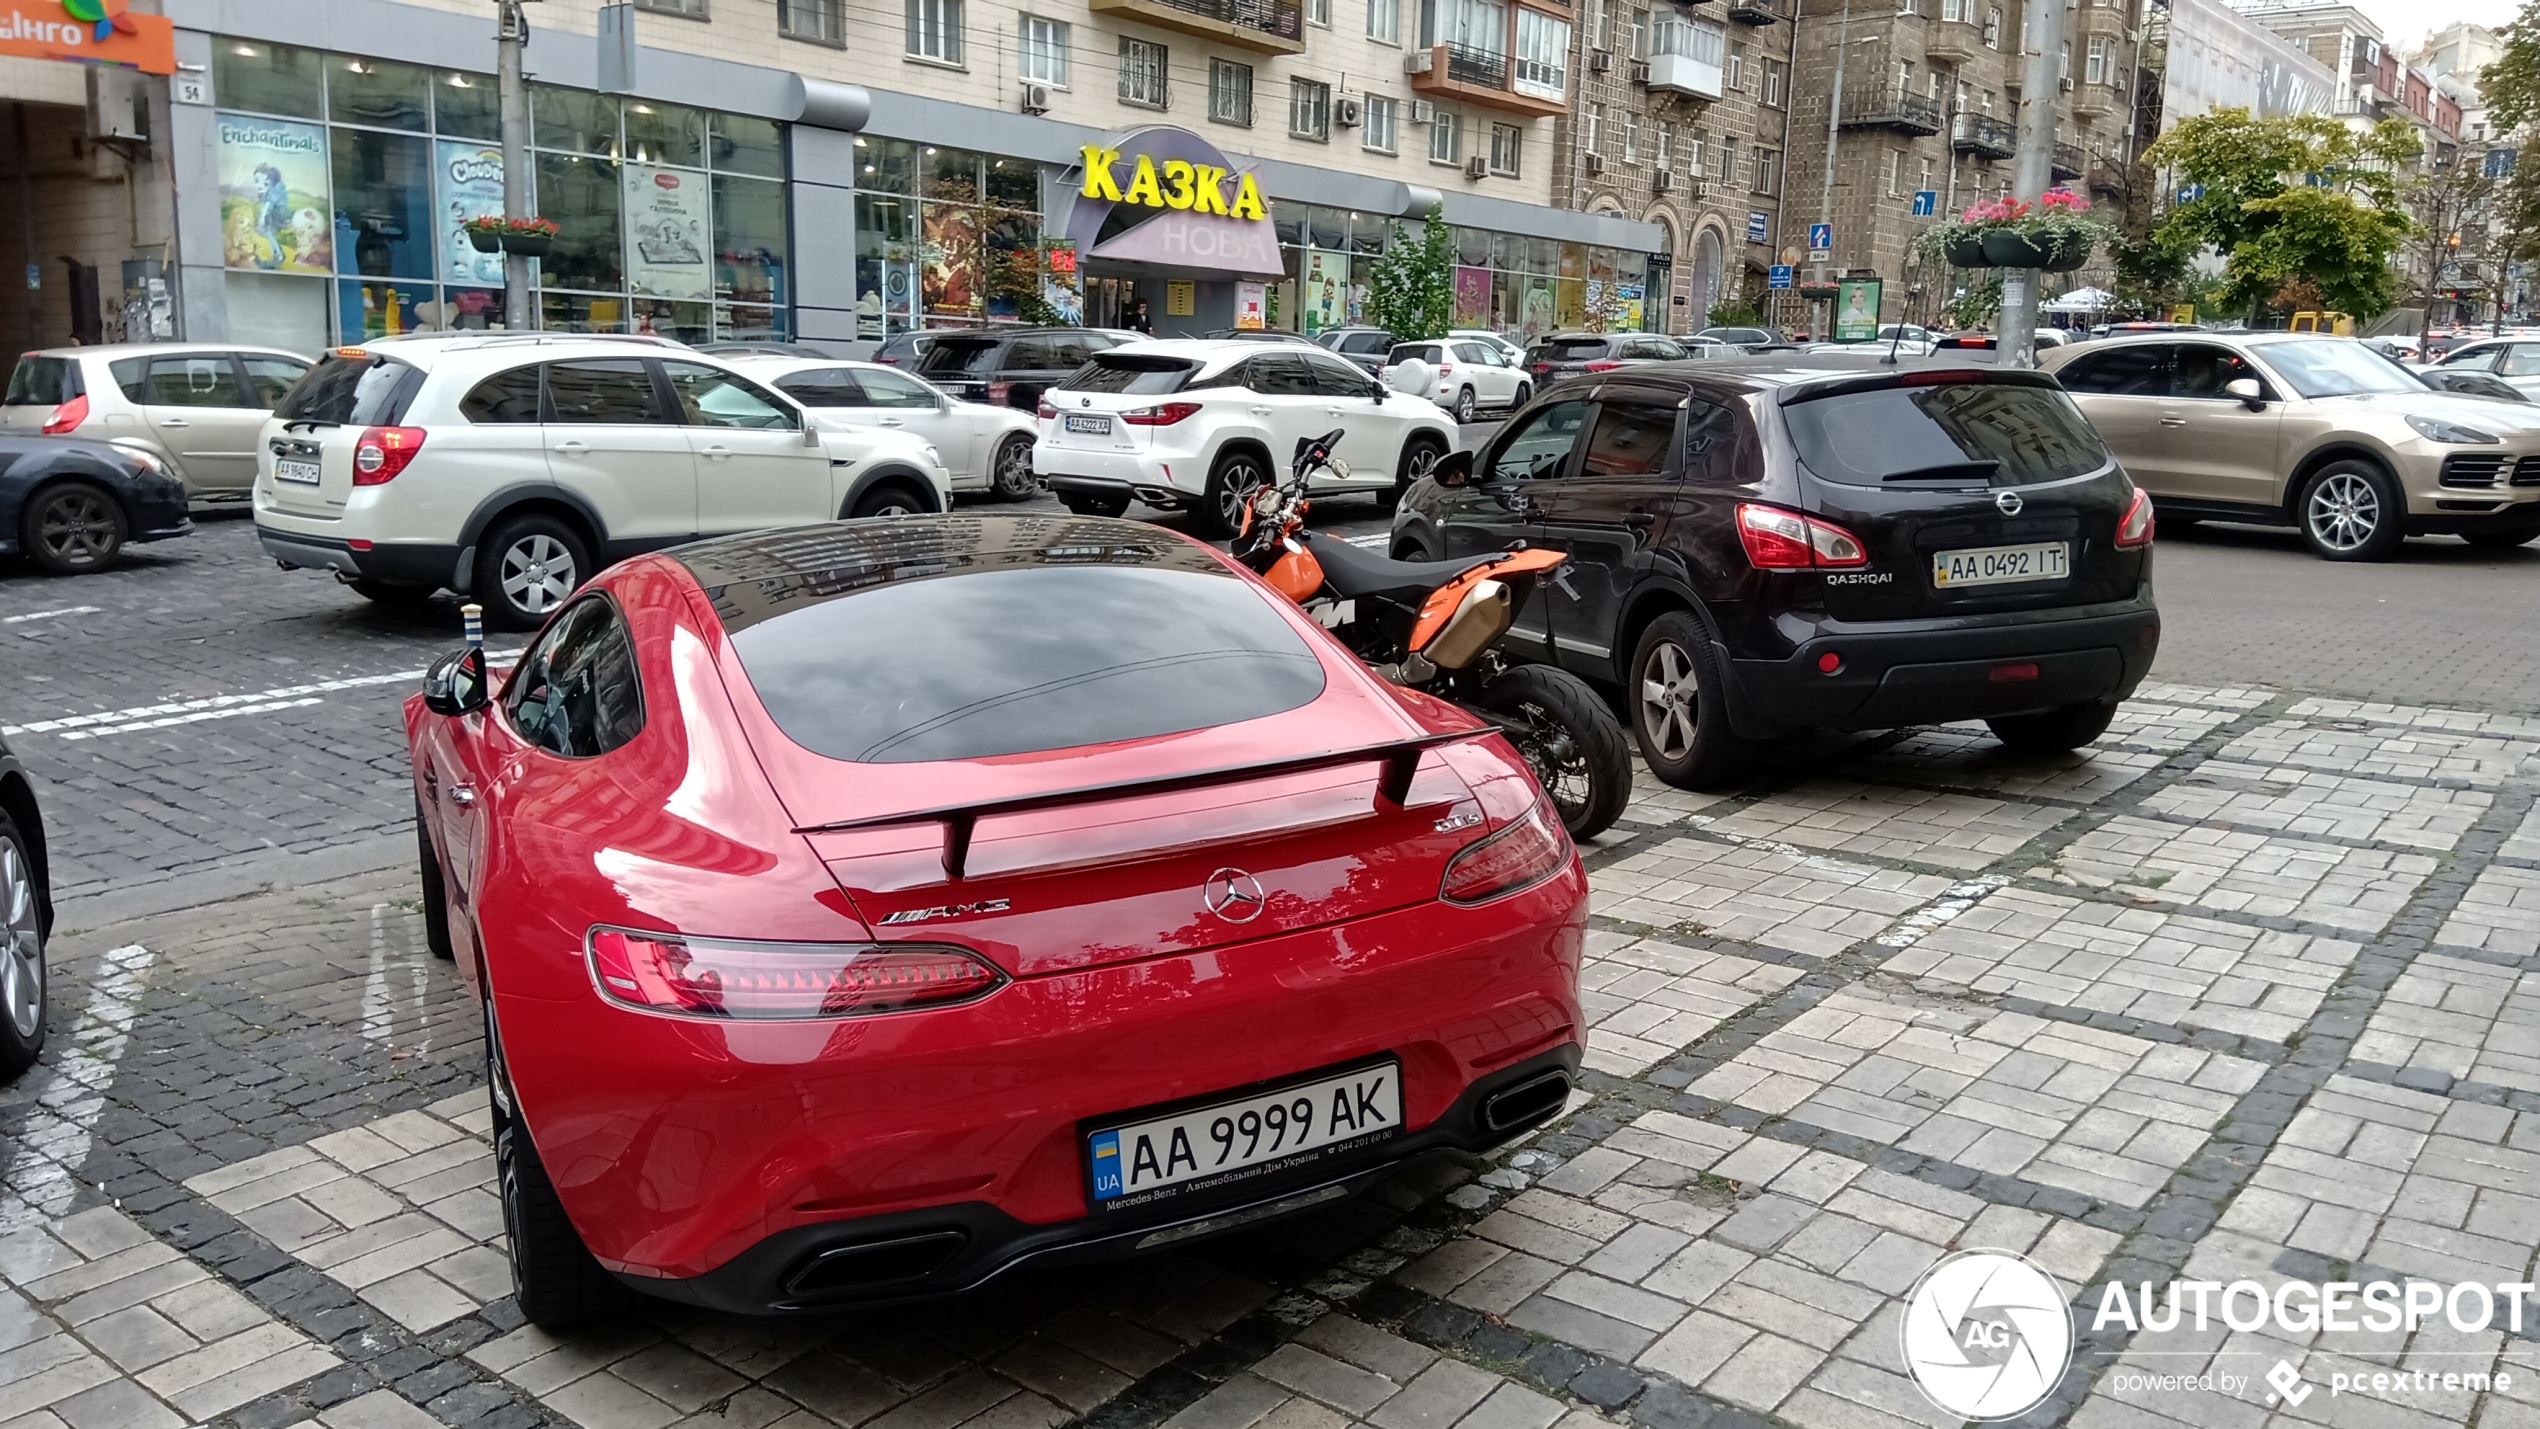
(1765, 545)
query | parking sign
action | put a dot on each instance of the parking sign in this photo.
(1780, 277)
(1926, 202)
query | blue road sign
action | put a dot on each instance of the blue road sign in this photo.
(1821, 235)
(2500, 163)
(1759, 224)
(2189, 193)
(1780, 276)
(1926, 202)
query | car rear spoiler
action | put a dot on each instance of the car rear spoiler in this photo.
(1400, 758)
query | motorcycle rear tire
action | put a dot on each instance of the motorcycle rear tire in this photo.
(1589, 781)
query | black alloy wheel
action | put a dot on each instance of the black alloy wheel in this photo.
(72, 529)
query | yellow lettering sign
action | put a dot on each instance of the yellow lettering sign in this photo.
(1181, 194)
(1098, 180)
(1143, 187)
(1180, 184)
(1212, 190)
(1247, 201)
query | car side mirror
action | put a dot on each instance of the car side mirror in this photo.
(1377, 391)
(2248, 391)
(1455, 469)
(455, 684)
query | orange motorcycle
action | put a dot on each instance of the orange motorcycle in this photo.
(1435, 626)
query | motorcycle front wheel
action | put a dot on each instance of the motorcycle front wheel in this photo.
(1569, 737)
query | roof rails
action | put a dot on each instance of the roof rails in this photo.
(470, 341)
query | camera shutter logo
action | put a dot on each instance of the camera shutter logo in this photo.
(1987, 1334)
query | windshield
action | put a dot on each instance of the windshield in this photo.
(1991, 433)
(2335, 367)
(368, 390)
(950, 356)
(1129, 375)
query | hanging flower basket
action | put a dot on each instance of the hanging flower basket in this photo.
(485, 240)
(2056, 234)
(2070, 251)
(529, 245)
(1964, 249)
(2012, 248)
(529, 237)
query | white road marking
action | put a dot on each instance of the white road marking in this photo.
(1373, 542)
(380, 999)
(221, 706)
(196, 717)
(50, 614)
(42, 1174)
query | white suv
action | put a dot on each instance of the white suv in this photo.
(511, 467)
(1198, 425)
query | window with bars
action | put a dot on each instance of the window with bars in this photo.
(1384, 20)
(1042, 50)
(1375, 127)
(1446, 138)
(934, 30)
(822, 22)
(1507, 147)
(1230, 92)
(1144, 77)
(1310, 109)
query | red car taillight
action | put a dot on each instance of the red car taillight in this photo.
(383, 452)
(67, 417)
(2135, 527)
(1778, 540)
(1045, 411)
(780, 982)
(1602, 364)
(1162, 414)
(1000, 393)
(1519, 856)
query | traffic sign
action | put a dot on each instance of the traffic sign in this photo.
(2500, 163)
(1758, 225)
(2189, 193)
(1821, 235)
(1926, 202)
(1780, 277)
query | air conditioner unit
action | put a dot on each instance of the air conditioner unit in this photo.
(1640, 72)
(1036, 99)
(1599, 61)
(1593, 161)
(1423, 112)
(1346, 113)
(1661, 181)
(1419, 61)
(1476, 167)
(2065, 84)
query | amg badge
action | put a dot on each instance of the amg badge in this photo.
(948, 910)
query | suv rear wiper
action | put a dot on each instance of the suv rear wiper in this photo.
(312, 423)
(1944, 471)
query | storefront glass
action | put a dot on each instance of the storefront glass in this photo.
(945, 237)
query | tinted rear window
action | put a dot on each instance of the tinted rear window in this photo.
(1133, 376)
(44, 382)
(1992, 432)
(1575, 349)
(367, 391)
(954, 356)
(1030, 650)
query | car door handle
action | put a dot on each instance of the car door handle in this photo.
(891, 422)
(462, 795)
(573, 448)
(2173, 421)
(175, 422)
(1261, 411)
(718, 453)
(1640, 520)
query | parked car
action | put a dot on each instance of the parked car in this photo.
(1182, 424)
(196, 407)
(905, 349)
(2309, 431)
(1575, 354)
(2046, 337)
(26, 918)
(513, 466)
(2470, 383)
(2513, 360)
(771, 348)
(986, 450)
(1902, 339)
(868, 1059)
(1509, 348)
(1748, 339)
(70, 505)
(1365, 346)
(1756, 549)
(1008, 367)
(1236, 334)
(1462, 375)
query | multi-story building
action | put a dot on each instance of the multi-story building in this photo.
(2374, 83)
(826, 168)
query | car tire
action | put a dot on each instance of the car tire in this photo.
(2502, 540)
(72, 529)
(395, 597)
(1677, 714)
(1010, 475)
(1571, 741)
(558, 1283)
(1237, 476)
(1464, 406)
(888, 498)
(2055, 730)
(526, 567)
(1094, 503)
(436, 893)
(1420, 456)
(1525, 394)
(23, 982)
(2352, 511)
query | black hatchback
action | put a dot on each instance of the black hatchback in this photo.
(1009, 367)
(1768, 545)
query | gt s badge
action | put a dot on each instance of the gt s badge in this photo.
(949, 910)
(1464, 820)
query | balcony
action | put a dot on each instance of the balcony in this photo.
(1888, 107)
(1951, 42)
(2109, 179)
(1686, 75)
(1484, 77)
(2092, 100)
(1273, 27)
(2067, 162)
(1756, 12)
(1984, 136)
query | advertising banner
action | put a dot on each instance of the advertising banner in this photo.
(669, 233)
(1472, 297)
(274, 202)
(90, 32)
(1251, 306)
(951, 270)
(1856, 310)
(1324, 303)
(468, 183)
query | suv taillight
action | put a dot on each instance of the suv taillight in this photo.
(1162, 414)
(2135, 527)
(1602, 364)
(383, 452)
(1519, 856)
(780, 982)
(1778, 540)
(1000, 393)
(67, 416)
(1045, 411)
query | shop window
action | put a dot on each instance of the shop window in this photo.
(1043, 50)
(1230, 92)
(749, 241)
(1376, 129)
(689, 9)
(1507, 146)
(574, 121)
(885, 165)
(952, 175)
(377, 309)
(740, 322)
(743, 145)
(887, 249)
(581, 312)
(1384, 20)
(466, 106)
(1446, 138)
(377, 92)
(934, 30)
(268, 79)
(822, 22)
(383, 204)
(589, 252)
(1143, 75)
(1310, 109)
(668, 134)
(1015, 184)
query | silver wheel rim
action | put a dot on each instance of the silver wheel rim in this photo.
(537, 573)
(1670, 700)
(1236, 492)
(2345, 511)
(77, 529)
(1424, 459)
(1464, 405)
(21, 945)
(1014, 467)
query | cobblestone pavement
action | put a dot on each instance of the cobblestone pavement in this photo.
(2250, 992)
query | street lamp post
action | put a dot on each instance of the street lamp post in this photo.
(2042, 38)
(511, 37)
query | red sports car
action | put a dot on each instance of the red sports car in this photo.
(862, 910)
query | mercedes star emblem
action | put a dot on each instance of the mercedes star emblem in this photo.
(2009, 502)
(1234, 895)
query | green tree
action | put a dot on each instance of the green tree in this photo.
(1412, 292)
(2296, 197)
(2511, 87)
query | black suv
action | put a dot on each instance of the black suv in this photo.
(1765, 545)
(1009, 367)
